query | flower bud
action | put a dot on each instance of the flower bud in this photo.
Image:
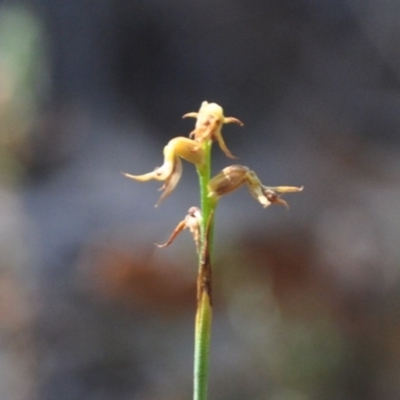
(228, 180)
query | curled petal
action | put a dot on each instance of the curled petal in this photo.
(218, 137)
(160, 173)
(192, 222)
(191, 115)
(170, 172)
(186, 148)
(171, 182)
(141, 178)
(233, 120)
(179, 228)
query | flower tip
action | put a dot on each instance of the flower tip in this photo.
(282, 203)
(225, 149)
(144, 177)
(272, 195)
(129, 175)
(192, 222)
(287, 189)
(190, 115)
(233, 120)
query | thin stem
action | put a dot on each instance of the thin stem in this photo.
(204, 304)
(202, 347)
(204, 173)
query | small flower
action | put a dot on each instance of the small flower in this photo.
(234, 176)
(170, 172)
(192, 221)
(210, 119)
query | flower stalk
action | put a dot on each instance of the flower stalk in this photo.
(204, 282)
(200, 222)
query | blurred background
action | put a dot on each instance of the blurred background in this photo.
(307, 300)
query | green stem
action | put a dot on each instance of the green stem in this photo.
(204, 307)
(202, 348)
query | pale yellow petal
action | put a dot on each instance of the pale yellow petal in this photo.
(191, 115)
(286, 189)
(218, 136)
(141, 178)
(186, 148)
(256, 192)
(171, 182)
(233, 120)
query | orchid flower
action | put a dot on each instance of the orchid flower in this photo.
(210, 119)
(192, 222)
(234, 176)
(171, 171)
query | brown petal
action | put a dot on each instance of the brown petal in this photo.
(179, 228)
(228, 180)
(192, 221)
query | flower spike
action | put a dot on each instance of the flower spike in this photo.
(192, 221)
(234, 176)
(210, 119)
(171, 171)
